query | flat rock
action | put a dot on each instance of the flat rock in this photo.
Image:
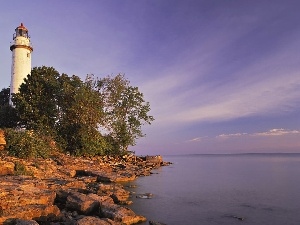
(36, 212)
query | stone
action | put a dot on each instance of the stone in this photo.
(7, 168)
(119, 195)
(64, 189)
(114, 177)
(2, 138)
(26, 222)
(145, 196)
(101, 199)
(89, 220)
(82, 203)
(156, 223)
(120, 214)
(157, 159)
(36, 212)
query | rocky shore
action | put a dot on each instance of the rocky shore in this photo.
(67, 190)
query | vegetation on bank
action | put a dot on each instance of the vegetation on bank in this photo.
(52, 111)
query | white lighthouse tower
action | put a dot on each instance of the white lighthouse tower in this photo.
(21, 58)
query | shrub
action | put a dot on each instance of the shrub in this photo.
(27, 144)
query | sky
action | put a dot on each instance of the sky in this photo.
(220, 76)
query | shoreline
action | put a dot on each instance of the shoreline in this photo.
(66, 190)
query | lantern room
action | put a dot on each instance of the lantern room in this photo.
(21, 31)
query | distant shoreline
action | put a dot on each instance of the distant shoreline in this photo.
(233, 154)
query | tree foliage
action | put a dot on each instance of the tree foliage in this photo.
(8, 115)
(125, 110)
(94, 116)
(28, 144)
(36, 101)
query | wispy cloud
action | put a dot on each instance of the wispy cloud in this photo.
(277, 132)
(197, 139)
(267, 87)
(272, 132)
(224, 136)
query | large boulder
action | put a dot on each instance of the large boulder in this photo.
(26, 222)
(89, 220)
(82, 203)
(120, 214)
(115, 212)
(115, 191)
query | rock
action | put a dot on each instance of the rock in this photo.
(26, 222)
(26, 198)
(89, 220)
(120, 214)
(131, 186)
(236, 217)
(120, 195)
(239, 218)
(2, 139)
(145, 196)
(24, 194)
(65, 190)
(157, 159)
(37, 212)
(82, 203)
(101, 199)
(7, 168)
(113, 177)
(115, 191)
(156, 223)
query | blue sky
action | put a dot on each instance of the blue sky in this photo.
(220, 76)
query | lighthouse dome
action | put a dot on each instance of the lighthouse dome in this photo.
(22, 27)
(21, 31)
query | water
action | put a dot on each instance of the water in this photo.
(264, 189)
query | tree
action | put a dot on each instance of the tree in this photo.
(75, 113)
(4, 96)
(125, 110)
(8, 115)
(36, 101)
(80, 113)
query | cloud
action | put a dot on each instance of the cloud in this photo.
(277, 132)
(272, 132)
(266, 87)
(197, 139)
(231, 135)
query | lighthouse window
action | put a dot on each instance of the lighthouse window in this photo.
(28, 55)
(20, 32)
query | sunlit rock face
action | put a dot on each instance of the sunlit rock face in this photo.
(72, 190)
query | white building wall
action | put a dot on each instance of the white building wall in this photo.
(21, 62)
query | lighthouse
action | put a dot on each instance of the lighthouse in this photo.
(21, 58)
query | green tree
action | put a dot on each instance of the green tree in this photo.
(80, 114)
(36, 101)
(8, 115)
(4, 96)
(125, 110)
(95, 116)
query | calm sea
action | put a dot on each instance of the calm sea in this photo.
(262, 189)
